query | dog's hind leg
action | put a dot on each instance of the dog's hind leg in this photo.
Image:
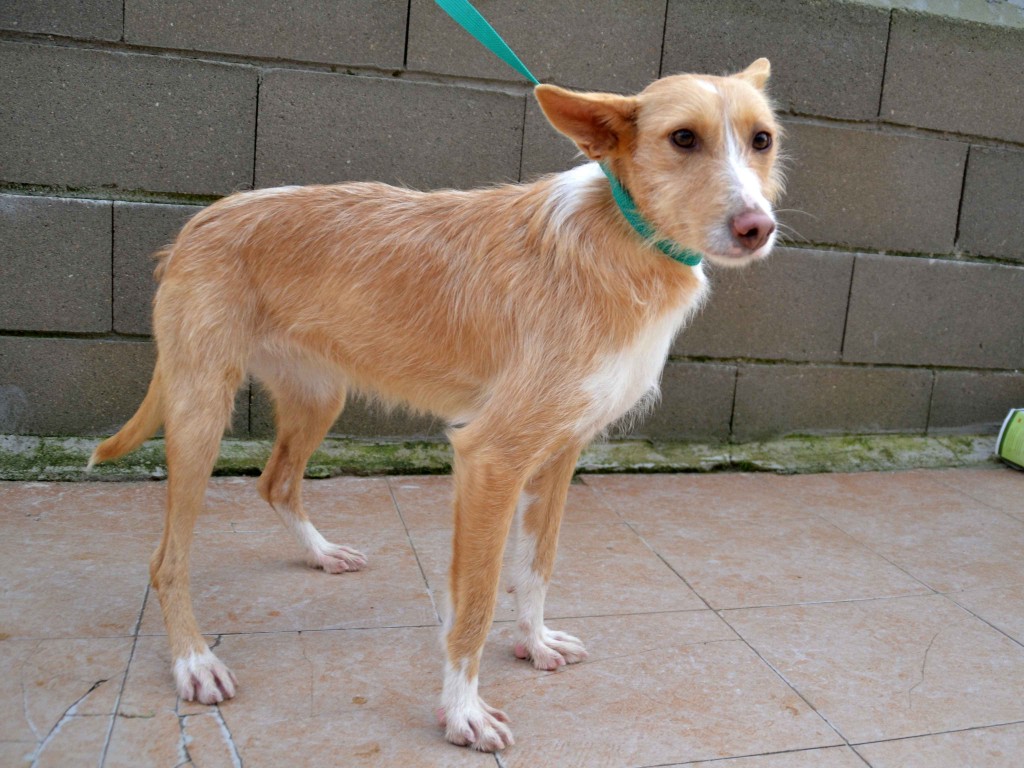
(303, 415)
(538, 518)
(197, 411)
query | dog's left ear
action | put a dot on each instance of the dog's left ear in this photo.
(599, 123)
(757, 73)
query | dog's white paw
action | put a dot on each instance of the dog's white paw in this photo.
(204, 678)
(476, 724)
(335, 558)
(549, 649)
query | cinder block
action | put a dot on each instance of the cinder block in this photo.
(973, 402)
(76, 387)
(827, 57)
(86, 118)
(914, 311)
(71, 386)
(378, 129)
(778, 400)
(791, 307)
(140, 230)
(864, 188)
(545, 150)
(955, 76)
(365, 33)
(359, 419)
(696, 403)
(600, 45)
(90, 19)
(993, 206)
(54, 264)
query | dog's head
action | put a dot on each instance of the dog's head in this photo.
(697, 153)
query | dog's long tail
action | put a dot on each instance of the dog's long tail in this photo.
(140, 427)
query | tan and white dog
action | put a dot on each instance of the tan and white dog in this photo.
(527, 316)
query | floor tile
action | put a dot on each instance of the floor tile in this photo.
(909, 676)
(78, 741)
(169, 736)
(259, 582)
(426, 503)
(949, 548)
(106, 508)
(600, 569)
(999, 747)
(883, 669)
(153, 739)
(303, 698)
(231, 504)
(1000, 488)
(608, 639)
(743, 563)
(674, 697)
(871, 491)
(675, 498)
(41, 680)
(349, 505)
(1002, 607)
(79, 584)
(830, 757)
(17, 753)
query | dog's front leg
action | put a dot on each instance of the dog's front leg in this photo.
(538, 518)
(489, 477)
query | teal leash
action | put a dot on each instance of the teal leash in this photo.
(471, 20)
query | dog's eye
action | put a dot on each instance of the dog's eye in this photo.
(684, 139)
(762, 141)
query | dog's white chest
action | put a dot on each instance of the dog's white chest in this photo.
(623, 378)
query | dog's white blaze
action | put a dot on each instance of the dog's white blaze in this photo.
(747, 188)
(569, 189)
(622, 378)
(707, 86)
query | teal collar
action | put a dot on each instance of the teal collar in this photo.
(643, 227)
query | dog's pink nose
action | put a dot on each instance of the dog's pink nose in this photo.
(752, 228)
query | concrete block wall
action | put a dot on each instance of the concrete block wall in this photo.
(894, 305)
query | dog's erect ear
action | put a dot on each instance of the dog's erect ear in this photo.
(597, 122)
(757, 73)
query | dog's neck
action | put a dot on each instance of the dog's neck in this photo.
(643, 227)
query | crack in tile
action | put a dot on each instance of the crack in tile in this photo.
(68, 714)
(183, 738)
(185, 756)
(24, 707)
(124, 677)
(229, 740)
(924, 664)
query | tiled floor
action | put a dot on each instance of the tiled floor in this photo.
(741, 621)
